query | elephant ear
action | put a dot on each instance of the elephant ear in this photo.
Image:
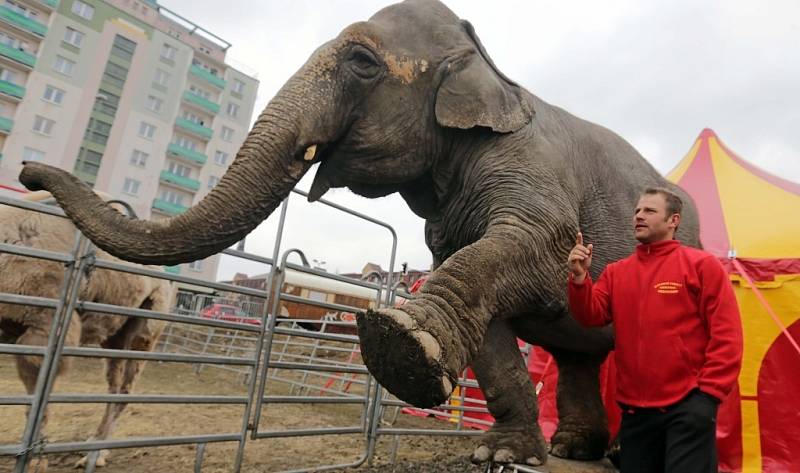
(473, 92)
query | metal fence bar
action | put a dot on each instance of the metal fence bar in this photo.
(154, 356)
(35, 253)
(55, 344)
(149, 314)
(437, 432)
(154, 273)
(266, 320)
(34, 301)
(66, 447)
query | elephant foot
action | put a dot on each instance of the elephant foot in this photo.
(579, 443)
(404, 358)
(519, 444)
(102, 459)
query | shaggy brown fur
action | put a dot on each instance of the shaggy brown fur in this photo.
(26, 325)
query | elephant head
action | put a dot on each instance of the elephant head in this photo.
(375, 107)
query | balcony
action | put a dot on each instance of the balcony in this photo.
(186, 153)
(169, 207)
(6, 124)
(21, 57)
(192, 127)
(12, 89)
(50, 3)
(201, 102)
(207, 76)
(174, 179)
(22, 22)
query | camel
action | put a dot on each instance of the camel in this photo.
(25, 325)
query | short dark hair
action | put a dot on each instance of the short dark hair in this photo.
(674, 203)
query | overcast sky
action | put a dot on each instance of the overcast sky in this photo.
(655, 72)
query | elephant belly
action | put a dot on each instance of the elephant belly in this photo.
(563, 332)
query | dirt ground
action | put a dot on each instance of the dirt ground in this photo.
(77, 422)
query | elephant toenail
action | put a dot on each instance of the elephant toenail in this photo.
(504, 455)
(429, 345)
(534, 461)
(481, 454)
(447, 385)
(402, 319)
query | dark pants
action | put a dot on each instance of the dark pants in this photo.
(680, 438)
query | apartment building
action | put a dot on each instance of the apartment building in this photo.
(133, 98)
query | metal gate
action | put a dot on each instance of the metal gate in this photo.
(267, 358)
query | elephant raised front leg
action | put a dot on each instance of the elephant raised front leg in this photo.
(417, 350)
(511, 399)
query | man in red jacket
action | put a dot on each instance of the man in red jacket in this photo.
(678, 339)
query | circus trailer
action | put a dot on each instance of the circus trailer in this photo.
(750, 220)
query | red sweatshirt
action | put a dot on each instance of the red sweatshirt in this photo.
(676, 322)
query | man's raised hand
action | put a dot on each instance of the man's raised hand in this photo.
(580, 259)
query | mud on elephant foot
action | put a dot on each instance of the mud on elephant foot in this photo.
(579, 442)
(517, 444)
(405, 358)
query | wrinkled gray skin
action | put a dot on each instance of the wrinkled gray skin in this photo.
(410, 102)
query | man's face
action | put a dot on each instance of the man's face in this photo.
(650, 220)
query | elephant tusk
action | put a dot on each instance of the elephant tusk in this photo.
(310, 153)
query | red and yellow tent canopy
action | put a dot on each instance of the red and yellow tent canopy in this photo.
(750, 219)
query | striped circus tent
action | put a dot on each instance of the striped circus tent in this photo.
(750, 219)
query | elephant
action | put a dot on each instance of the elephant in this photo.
(29, 325)
(410, 102)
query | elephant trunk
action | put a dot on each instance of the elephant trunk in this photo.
(267, 166)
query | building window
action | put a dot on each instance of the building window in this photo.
(187, 115)
(131, 186)
(115, 75)
(227, 134)
(97, 131)
(43, 125)
(88, 162)
(233, 109)
(106, 102)
(212, 181)
(221, 158)
(213, 71)
(30, 154)
(171, 196)
(238, 86)
(8, 75)
(63, 66)
(162, 77)
(13, 42)
(178, 169)
(196, 265)
(123, 48)
(21, 9)
(168, 52)
(73, 37)
(53, 95)
(139, 158)
(83, 10)
(187, 143)
(147, 130)
(154, 104)
(198, 91)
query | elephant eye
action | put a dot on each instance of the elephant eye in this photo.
(364, 63)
